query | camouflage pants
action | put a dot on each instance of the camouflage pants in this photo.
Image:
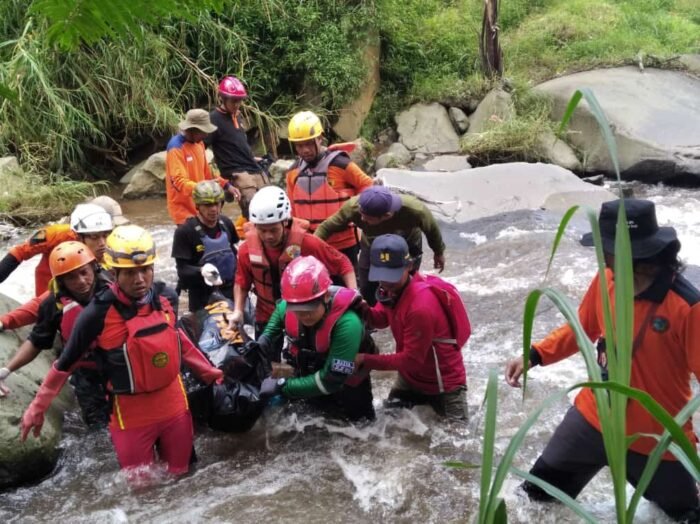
(452, 404)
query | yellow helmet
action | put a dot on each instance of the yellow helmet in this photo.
(304, 126)
(130, 246)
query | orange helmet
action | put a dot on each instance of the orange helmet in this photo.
(68, 256)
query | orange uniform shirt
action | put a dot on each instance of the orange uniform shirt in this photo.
(667, 353)
(185, 165)
(42, 243)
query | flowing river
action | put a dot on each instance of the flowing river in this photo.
(296, 468)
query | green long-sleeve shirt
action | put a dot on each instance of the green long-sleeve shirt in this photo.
(346, 337)
(409, 221)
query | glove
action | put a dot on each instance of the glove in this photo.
(235, 319)
(50, 388)
(271, 387)
(4, 390)
(211, 275)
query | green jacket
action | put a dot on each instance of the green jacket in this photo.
(346, 337)
(410, 221)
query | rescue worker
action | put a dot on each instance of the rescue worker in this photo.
(76, 279)
(204, 247)
(131, 326)
(186, 164)
(430, 326)
(321, 181)
(113, 208)
(229, 143)
(325, 335)
(89, 224)
(273, 239)
(666, 350)
(378, 211)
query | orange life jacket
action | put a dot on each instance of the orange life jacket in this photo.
(266, 278)
(315, 199)
(150, 357)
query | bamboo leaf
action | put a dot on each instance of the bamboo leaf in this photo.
(487, 494)
(655, 410)
(458, 464)
(555, 492)
(560, 233)
(654, 458)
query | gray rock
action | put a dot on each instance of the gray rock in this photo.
(9, 164)
(386, 160)
(461, 196)
(496, 107)
(147, 179)
(459, 119)
(278, 170)
(402, 155)
(596, 180)
(144, 184)
(386, 137)
(36, 457)
(126, 179)
(447, 163)
(427, 128)
(655, 116)
(557, 152)
(691, 62)
(360, 155)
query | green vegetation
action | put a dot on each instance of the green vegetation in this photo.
(29, 198)
(83, 83)
(612, 396)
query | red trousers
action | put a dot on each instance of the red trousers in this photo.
(174, 437)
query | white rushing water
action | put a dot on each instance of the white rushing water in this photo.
(293, 467)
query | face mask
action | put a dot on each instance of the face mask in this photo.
(384, 297)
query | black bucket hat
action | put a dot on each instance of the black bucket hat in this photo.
(647, 238)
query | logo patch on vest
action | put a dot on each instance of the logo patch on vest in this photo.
(660, 324)
(293, 251)
(160, 360)
(344, 367)
(199, 248)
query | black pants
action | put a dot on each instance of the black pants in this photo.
(89, 387)
(576, 453)
(352, 403)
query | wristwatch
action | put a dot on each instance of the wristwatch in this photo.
(280, 383)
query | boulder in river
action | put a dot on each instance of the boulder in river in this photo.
(460, 196)
(426, 128)
(36, 457)
(654, 114)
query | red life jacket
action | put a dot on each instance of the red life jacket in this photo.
(71, 310)
(315, 199)
(342, 299)
(150, 357)
(267, 286)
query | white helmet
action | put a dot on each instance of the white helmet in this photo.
(269, 206)
(90, 218)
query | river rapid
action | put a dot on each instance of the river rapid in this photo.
(293, 467)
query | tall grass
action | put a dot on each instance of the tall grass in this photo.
(611, 396)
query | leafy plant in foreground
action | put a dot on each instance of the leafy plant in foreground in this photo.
(611, 396)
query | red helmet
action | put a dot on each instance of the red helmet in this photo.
(304, 279)
(231, 87)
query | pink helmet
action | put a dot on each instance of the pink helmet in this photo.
(304, 279)
(231, 87)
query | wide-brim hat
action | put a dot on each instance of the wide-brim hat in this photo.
(198, 119)
(113, 208)
(646, 237)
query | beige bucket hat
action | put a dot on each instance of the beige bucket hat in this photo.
(199, 119)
